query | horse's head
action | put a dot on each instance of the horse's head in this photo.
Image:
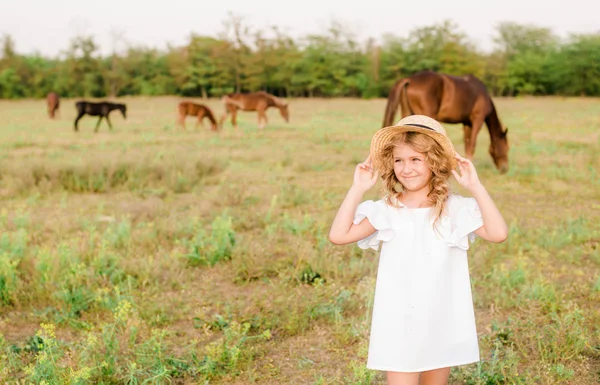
(499, 152)
(123, 109)
(283, 108)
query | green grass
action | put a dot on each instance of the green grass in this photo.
(155, 255)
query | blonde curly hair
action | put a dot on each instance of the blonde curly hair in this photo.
(437, 159)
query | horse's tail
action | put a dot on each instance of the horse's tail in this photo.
(229, 100)
(404, 103)
(394, 100)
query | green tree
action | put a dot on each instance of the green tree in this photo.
(575, 69)
(82, 72)
(524, 50)
(527, 59)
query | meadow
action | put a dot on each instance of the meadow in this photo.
(151, 254)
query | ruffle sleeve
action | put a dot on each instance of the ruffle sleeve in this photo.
(465, 220)
(376, 213)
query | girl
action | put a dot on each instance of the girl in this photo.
(423, 321)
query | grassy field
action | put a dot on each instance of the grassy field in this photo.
(155, 255)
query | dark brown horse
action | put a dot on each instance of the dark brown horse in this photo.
(451, 99)
(101, 109)
(199, 110)
(255, 101)
(53, 103)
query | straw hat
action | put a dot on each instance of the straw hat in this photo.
(416, 123)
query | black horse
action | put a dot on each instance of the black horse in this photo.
(101, 109)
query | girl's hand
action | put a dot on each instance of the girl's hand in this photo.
(468, 175)
(365, 176)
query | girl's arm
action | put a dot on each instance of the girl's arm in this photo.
(343, 230)
(494, 227)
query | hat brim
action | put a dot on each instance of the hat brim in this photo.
(384, 135)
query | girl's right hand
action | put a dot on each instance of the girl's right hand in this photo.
(365, 176)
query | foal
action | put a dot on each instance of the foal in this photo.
(199, 110)
(101, 109)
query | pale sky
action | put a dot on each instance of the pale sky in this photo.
(46, 26)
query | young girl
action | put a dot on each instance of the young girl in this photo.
(423, 320)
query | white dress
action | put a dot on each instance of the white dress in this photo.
(423, 315)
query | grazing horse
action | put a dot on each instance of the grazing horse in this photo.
(199, 110)
(451, 99)
(255, 101)
(101, 109)
(53, 103)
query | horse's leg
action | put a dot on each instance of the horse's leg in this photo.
(108, 120)
(79, 116)
(223, 117)
(181, 120)
(467, 129)
(428, 106)
(420, 102)
(262, 117)
(98, 124)
(476, 123)
(234, 118)
(261, 107)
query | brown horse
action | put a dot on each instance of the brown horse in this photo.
(199, 110)
(451, 99)
(53, 103)
(255, 101)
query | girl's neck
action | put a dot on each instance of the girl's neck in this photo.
(415, 199)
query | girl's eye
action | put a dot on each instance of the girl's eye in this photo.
(397, 161)
(416, 160)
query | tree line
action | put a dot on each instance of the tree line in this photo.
(526, 60)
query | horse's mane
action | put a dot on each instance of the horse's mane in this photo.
(210, 115)
(492, 121)
(278, 102)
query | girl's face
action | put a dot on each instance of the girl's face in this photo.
(410, 168)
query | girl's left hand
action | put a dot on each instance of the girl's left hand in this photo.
(468, 175)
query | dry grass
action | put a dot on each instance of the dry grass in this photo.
(188, 256)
